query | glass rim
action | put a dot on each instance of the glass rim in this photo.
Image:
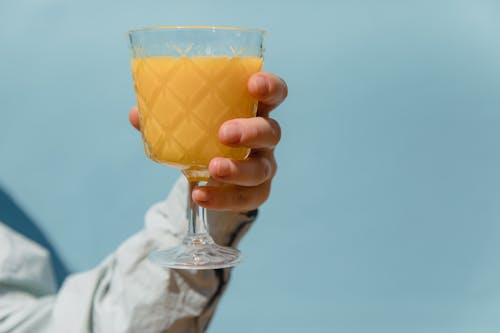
(196, 27)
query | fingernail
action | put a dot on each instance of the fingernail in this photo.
(200, 195)
(260, 85)
(231, 133)
(222, 168)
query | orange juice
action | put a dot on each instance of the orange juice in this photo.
(182, 103)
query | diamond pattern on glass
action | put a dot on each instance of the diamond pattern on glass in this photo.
(183, 101)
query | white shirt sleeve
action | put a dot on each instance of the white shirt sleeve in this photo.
(126, 292)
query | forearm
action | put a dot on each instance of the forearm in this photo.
(173, 300)
(127, 293)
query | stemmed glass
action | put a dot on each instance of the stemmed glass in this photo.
(188, 82)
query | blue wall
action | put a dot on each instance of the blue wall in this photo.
(384, 214)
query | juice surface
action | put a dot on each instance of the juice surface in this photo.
(183, 101)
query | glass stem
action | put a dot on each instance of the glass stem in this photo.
(196, 214)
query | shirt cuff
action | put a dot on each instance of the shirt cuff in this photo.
(228, 228)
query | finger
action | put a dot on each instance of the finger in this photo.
(251, 172)
(258, 132)
(232, 198)
(133, 117)
(269, 89)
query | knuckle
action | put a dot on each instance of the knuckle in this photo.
(278, 90)
(274, 167)
(284, 88)
(266, 191)
(263, 171)
(276, 130)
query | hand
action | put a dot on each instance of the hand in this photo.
(244, 185)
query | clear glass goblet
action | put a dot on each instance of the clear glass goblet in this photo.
(188, 82)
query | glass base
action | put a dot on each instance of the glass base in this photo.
(196, 252)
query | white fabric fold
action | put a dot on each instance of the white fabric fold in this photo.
(126, 292)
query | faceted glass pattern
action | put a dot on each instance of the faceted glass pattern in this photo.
(183, 101)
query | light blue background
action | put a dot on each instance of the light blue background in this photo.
(385, 213)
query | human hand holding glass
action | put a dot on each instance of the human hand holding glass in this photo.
(188, 82)
(241, 186)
